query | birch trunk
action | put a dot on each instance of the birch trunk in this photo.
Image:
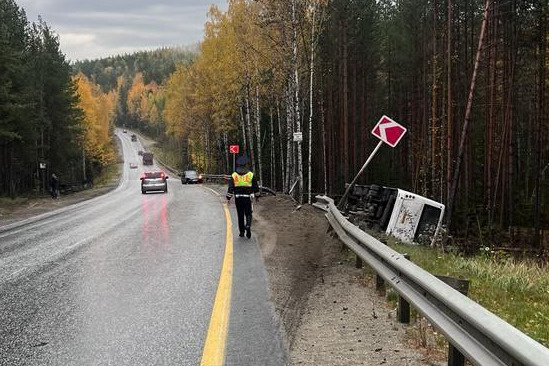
(324, 160)
(289, 132)
(243, 126)
(311, 79)
(249, 128)
(258, 134)
(296, 99)
(281, 142)
(273, 158)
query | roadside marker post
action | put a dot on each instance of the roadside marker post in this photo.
(389, 132)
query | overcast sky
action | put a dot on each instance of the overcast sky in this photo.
(91, 29)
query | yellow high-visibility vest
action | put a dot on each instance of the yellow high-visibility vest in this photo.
(243, 180)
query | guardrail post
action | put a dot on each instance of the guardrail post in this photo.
(403, 309)
(358, 262)
(380, 284)
(455, 357)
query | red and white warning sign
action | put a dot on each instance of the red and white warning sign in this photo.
(388, 131)
(233, 149)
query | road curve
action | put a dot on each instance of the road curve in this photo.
(130, 279)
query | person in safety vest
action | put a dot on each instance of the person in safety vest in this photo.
(243, 186)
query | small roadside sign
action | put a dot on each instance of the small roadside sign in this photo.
(389, 131)
(298, 136)
(234, 149)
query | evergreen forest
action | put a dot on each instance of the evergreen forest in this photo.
(468, 79)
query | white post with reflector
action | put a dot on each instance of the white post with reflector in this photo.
(386, 130)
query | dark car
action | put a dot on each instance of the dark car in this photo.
(134, 137)
(190, 177)
(154, 181)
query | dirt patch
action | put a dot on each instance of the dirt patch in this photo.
(332, 315)
(292, 243)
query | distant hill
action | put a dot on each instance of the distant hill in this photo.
(155, 65)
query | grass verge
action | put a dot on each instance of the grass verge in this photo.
(516, 291)
(110, 174)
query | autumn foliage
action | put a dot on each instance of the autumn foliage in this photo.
(98, 120)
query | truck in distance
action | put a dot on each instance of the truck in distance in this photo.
(147, 158)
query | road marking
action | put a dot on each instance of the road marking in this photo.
(216, 339)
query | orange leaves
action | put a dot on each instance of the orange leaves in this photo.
(99, 111)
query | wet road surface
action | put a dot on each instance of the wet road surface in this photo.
(130, 279)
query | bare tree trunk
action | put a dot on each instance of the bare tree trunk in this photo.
(467, 119)
(541, 121)
(296, 99)
(273, 157)
(449, 125)
(226, 149)
(281, 142)
(345, 120)
(249, 128)
(258, 133)
(492, 60)
(311, 80)
(289, 134)
(243, 126)
(324, 160)
(433, 156)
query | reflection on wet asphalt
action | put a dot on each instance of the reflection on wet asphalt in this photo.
(126, 279)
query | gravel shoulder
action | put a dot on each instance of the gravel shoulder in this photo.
(330, 311)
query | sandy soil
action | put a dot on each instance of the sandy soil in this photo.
(330, 311)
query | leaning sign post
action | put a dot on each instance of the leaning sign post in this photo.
(233, 149)
(387, 131)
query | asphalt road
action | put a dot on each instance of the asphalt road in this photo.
(130, 279)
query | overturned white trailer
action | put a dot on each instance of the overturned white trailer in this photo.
(407, 216)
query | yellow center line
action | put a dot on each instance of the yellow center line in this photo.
(216, 339)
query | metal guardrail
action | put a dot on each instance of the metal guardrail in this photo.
(216, 177)
(481, 336)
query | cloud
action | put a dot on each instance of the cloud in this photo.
(103, 28)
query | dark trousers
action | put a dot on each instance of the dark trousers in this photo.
(244, 211)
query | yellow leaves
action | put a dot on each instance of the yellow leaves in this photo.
(209, 92)
(135, 94)
(99, 111)
(145, 102)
